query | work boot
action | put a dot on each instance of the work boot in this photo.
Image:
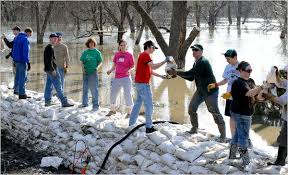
(150, 130)
(67, 104)
(24, 96)
(194, 123)
(222, 130)
(244, 155)
(233, 151)
(281, 157)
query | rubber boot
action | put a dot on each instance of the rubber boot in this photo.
(281, 157)
(222, 130)
(244, 155)
(194, 123)
(233, 151)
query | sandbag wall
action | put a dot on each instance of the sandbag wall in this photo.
(56, 130)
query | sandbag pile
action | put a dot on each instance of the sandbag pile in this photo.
(61, 131)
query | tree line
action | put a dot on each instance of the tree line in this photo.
(173, 16)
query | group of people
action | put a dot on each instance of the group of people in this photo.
(240, 96)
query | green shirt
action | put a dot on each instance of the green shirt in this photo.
(202, 74)
(91, 58)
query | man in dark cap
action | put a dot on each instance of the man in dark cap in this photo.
(53, 77)
(144, 70)
(203, 75)
(16, 30)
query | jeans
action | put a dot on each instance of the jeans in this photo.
(117, 84)
(90, 82)
(20, 78)
(60, 70)
(144, 94)
(241, 135)
(211, 102)
(55, 81)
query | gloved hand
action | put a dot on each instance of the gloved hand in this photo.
(3, 36)
(28, 66)
(65, 70)
(268, 96)
(165, 77)
(172, 72)
(212, 86)
(226, 95)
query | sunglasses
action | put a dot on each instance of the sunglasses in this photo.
(248, 70)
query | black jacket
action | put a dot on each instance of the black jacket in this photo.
(8, 43)
(49, 59)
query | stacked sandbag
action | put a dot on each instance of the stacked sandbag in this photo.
(61, 131)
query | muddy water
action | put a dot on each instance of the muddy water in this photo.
(171, 97)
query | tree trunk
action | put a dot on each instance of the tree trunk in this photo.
(101, 24)
(178, 46)
(197, 13)
(140, 33)
(131, 23)
(123, 11)
(229, 13)
(284, 27)
(239, 13)
(41, 31)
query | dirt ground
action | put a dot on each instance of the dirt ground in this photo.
(18, 160)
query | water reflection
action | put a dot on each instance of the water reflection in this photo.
(173, 96)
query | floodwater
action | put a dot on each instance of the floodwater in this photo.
(171, 97)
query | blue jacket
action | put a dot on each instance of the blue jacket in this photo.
(21, 48)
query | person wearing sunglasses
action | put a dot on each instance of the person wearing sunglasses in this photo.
(243, 92)
(203, 75)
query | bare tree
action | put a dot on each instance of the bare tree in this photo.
(229, 13)
(41, 28)
(178, 45)
(239, 13)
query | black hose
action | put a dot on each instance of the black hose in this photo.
(124, 138)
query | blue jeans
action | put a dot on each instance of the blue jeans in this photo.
(242, 127)
(144, 94)
(55, 81)
(60, 70)
(20, 78)
(90, 82)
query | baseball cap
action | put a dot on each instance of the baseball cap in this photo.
(230, 53)
(53, 35)
(16, 28)
(197, 46)
(150, 44)
(59, 34)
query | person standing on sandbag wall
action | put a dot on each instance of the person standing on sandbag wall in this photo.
(144, 71)
(282, 138)
(53, 77)
(203, 75)
(20, 55)
(16, 30)
(61, 58)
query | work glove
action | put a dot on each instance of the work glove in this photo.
(166, 77)
(28, 66)
(226, 95)
(65, 70)
(212, 86)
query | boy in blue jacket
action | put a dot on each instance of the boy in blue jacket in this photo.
(20, 55)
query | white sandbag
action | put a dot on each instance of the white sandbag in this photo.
(77, 136)
(184, 144)
(129, 147)
(144, 153)
(157, 137)
(155, 168)
(51, 161)
(198, 170)
(155, 157)
(221, 168)
(168, 132)
(168, 159)
(117, 151)
(188, 155)
(126, 158)
(167, 147)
